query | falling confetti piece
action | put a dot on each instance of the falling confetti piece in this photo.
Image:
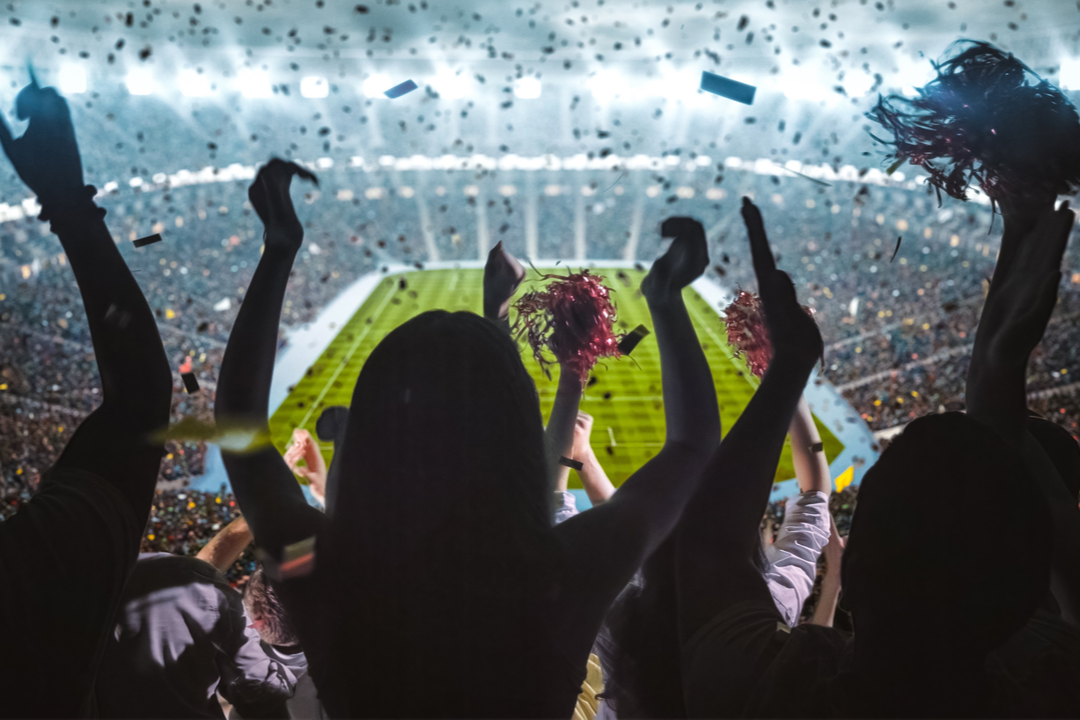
(398, 90)
(568, 462)
(191, 384)
(635, 336)
(149, 240)
(727, 88)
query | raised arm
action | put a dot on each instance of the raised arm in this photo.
(114, 441)
(811, 465)
(717, 544)
(593, 478)
(1018, 307)
(825, 610)
(612, 540)
(269, 495)
(227, 546)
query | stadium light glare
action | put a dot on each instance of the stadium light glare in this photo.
(194, 84)
(912, 74)
(606, 85)
(314, 86)
(801, 82)
(72, 79)
(376, 84)
(140, 81)
(450, 85)
(857, 83)
(254, 83)
(1069, 74)
(527, 88)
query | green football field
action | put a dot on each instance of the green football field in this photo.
(625, 401)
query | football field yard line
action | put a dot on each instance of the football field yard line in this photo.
(348, 356)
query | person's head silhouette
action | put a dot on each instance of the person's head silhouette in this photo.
(948, 556)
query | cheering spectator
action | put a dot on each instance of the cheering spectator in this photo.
(66, 555)
(439, 561)
(183, 636)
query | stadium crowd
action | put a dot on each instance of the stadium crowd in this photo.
(436, 560)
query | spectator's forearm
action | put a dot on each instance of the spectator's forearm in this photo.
(559, 433)
(595, 481)
(227, 546)
(811, 466)
(828, 600)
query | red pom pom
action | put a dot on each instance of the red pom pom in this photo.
(746, 331)
(573, 318)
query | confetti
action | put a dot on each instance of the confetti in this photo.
(570, 463)
(727, 88)
(631, 339)
(149, 240)
(897, 248)
(398, 90)
(191, 384)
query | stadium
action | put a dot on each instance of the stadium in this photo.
(568, 132)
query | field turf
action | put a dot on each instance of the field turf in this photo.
(625, 400)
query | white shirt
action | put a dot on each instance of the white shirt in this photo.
(793, 557)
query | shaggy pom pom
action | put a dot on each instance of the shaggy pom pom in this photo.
(747, 333)
(981, 120)
(573, 318)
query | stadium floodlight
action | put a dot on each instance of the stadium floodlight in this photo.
(527, 88)
(72, 79)
(140, 81)
(376, 85)
(800, 82)
(912, 74)
(194, 84)
(254, 83)
(451, 85)
(314, 86)
(1069, 74)
(857, 83)
(606, 85)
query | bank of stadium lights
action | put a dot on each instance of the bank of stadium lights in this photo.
(452, 85)
(857, 83)
(376, 84)
(527, 88)
(140, 81)
(254, 83)
(193, 83)
(314, 86)
(606, 85)
(800, 82)
(72, 79)
(1069, 74)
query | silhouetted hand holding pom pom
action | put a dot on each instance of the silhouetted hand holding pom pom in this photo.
(982, 120)
(748, 332)
(573, 318)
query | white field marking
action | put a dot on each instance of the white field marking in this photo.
(453, 281)
(345, 361)
(611, 434)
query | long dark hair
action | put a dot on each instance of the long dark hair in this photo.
(441, 513)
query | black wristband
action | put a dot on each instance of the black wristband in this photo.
(817, 447)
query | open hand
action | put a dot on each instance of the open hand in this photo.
(502, 276)
(269, 194)
(304, 448)
(46, 157)
(684, 261)
(793, 333)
